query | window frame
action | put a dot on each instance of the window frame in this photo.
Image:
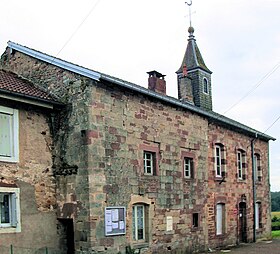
(205, 86)
(135, 225)
(150, 161)
(257, 168)
(258, 215)
(241, 165)
(191, 158)
(195, 220)
(14, 139)
(14, 224)
(190, 167)
(218, 160)
(152, 150)
(220, 219)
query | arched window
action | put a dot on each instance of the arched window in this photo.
(205, 86)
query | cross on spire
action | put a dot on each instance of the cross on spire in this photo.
(190, 12)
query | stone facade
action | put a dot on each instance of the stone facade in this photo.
(100, 137)
(32, 175)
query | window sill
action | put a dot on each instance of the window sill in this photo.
(140, 245)
(8, 160)
(6, 230)
(196, 229)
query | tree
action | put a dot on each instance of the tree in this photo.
(275, 201)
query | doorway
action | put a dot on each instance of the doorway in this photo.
(66, 232)
(242, 222)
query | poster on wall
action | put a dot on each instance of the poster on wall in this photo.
(114, 221)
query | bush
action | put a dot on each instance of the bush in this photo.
(275, 218)
(275, 225)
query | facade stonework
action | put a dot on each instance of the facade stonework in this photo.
(33, 176)
(112, 146)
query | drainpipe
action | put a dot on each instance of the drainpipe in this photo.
(254, 187)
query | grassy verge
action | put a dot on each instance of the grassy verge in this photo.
(275, 234)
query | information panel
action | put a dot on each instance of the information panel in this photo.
(114, 221)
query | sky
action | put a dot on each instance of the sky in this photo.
(239, 41)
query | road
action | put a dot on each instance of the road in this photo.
(262, 247)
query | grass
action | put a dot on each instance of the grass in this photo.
(275, 234)
(277, 214)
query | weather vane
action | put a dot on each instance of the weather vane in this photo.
(190, 13)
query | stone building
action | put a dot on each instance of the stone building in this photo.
(27, 186)
(135, 168)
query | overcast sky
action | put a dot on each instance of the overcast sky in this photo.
(239, 41)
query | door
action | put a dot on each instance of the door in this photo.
(67, 244)
(242, 222)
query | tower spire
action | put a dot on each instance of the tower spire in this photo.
(194, 77)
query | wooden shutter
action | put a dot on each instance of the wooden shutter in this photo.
(5, 135)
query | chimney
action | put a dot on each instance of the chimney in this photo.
(156, 82)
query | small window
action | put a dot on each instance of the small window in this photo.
(139, 222)
(258, 215)
(220, 219)
(219, 160)
(195, 220)
(188, 168)
(149, 163)
(8, 134)
(241, 165)
(257, 167)
(10, 210)
(205, 86)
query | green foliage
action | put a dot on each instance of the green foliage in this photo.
(129, 250)
(275, 234)
(275, 219)
(275, 225)
(275, 201)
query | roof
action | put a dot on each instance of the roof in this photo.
(13, 85)
(193, 58)
(210, 115)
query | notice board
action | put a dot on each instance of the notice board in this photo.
(115, 220)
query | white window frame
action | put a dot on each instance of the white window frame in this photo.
(14, 142)
(135, 222)
(149, 167)
(257, 215)
(240, 162)
(218, 161)
(14, 225)
(188, 164)
(205, 85)
(220, 220)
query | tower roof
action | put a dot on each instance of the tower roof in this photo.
(193, 58)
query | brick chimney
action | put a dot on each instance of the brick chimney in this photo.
(156, 82)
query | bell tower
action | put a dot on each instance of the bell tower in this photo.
(193, 77)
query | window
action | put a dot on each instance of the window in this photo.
(8, 134)
(149, 163)
(195, 220)
(241, 164)
(220, 219)
(205, 86)
(257, 167)
(258, 215)
(219, 160)
(10, 210)
(139, 222)
(188, 168)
